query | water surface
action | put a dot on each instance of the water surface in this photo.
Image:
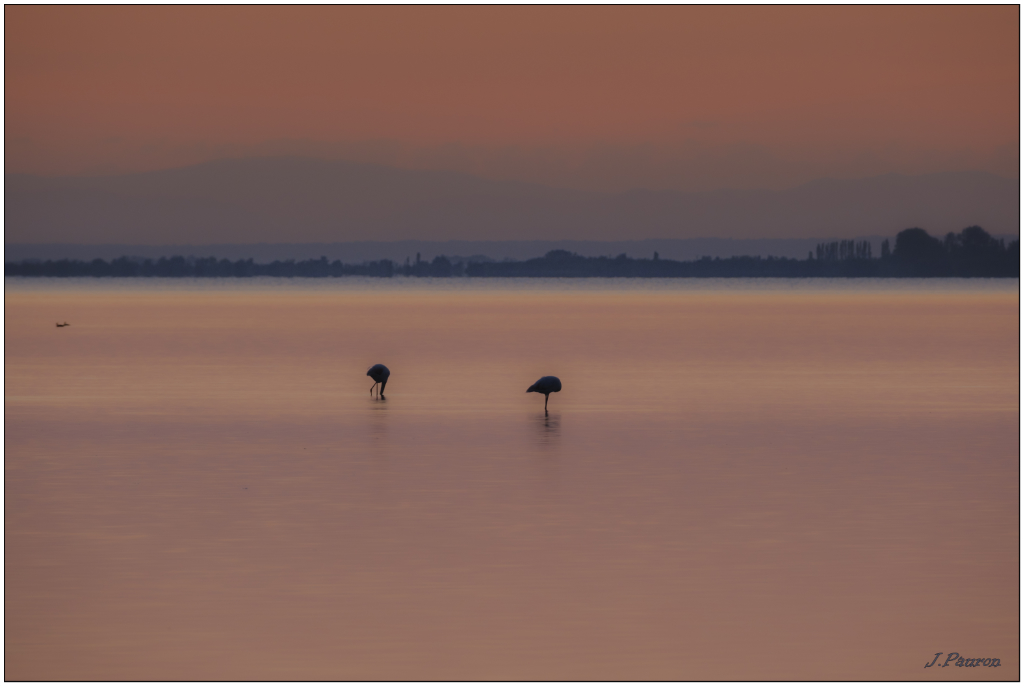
(740, 480)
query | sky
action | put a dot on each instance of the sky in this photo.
(594, 98)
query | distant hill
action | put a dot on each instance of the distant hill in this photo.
(969, 253)
(398, 251)
(297, 200)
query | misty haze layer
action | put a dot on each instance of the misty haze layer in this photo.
(296, 200)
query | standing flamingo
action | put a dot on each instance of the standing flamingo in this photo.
(546, 385)
(379, 373)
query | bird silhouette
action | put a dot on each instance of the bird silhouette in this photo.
(61, 326)
(546, 385)
(379, 373)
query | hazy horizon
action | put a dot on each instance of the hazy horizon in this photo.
(362, 251)
(307, 200)
(601, 167)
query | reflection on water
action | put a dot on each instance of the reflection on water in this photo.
(548, 428)
(738, 484)
(378, 418)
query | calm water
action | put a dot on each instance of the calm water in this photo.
(740, 479)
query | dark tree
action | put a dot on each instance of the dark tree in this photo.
(919, 254)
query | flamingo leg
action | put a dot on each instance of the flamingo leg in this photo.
(373, 387)
(545, 404)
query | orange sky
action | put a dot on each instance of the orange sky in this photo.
(576, 96)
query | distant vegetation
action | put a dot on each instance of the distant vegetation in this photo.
(970, 253)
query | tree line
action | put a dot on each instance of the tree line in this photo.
(970, 253)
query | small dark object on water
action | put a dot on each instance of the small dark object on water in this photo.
(379, 373)
(61, 326)
(546, 385)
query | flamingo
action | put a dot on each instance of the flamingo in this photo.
(546, 385)
(379, 373)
